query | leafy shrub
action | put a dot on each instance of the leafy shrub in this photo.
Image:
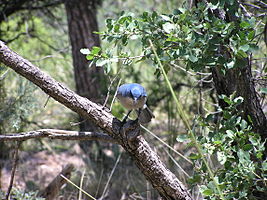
(234, 151)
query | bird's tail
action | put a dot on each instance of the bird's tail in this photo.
(145, 115)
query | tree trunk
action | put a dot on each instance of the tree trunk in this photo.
(90, 82)
(82, 23)
(240, 80)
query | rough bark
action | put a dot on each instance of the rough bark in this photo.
(82, 23)
(166, 183)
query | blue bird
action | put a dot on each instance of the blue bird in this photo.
(133, 96)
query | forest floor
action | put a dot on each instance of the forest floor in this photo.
(38, 169)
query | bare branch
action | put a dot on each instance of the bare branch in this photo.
(58, 134)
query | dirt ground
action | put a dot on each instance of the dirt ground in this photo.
(39, 169)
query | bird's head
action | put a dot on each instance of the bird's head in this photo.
(136, 94)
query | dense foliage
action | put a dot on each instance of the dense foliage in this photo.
(194, 36)
(236, 152)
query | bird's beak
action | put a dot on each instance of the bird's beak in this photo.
(135, 100)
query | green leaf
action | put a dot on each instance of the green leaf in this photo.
(230, 133)
(109, 24)
(168, 27)
(124, 40)
(244, 47)
(263, 90)
(90, 57)
(193, 58)
(227, 115)
(194, 156)
(154, 14)
(248, 147)
(95, 50)
(116, 28)
(249, 119)
(254, 141)
(165, 17)
(243, 156)
(238, 100)
(176, 11)
(244, 24)
(227, 100)
(217, 142)
(243, 124)
(182, 138)
(99, 33)
(145, 15)
(222, 158)
(195, 179)
(85, 51)
(230, 65)
(253, 47)
(182, 10)
(207, 192)
(251, 35)
(241, 54)
(122, 20)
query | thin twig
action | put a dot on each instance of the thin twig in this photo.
(261, 2)
(69, 181)
(190, 73)
(46, 101)
(112, 102)
(77, 123)
(81, 185)
(252, 5)
(4, 75)
(177, 164)
(167, 145)
(99, 182)
(245, 10)
(110, 85)
(15, 162)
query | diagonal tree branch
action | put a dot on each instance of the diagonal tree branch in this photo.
(58, 134)
(128, 135)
